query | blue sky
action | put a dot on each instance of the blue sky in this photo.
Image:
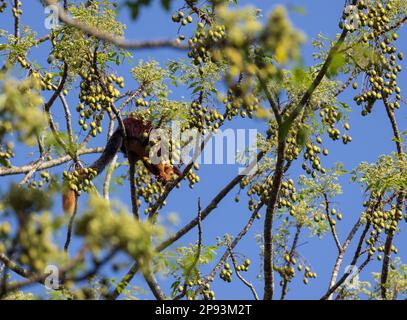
(371, 138)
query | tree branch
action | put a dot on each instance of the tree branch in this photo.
(246, 283)
(47, 164)
(230, 248)
(115, 40)
(284, 290)
(197, 256)
(268, 221)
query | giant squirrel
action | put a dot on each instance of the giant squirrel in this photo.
(137, 136)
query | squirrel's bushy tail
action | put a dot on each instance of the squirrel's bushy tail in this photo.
(112, 147)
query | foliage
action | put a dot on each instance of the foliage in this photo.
(19, 102)
(103, 227)
(74, 48)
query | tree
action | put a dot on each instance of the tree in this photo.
(236, 66)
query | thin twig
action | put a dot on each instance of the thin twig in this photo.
(47, 164)
(197, 255)
(284, 289)
(234, 243)
(245, 282)
(16, 7)
(35, 166)
(331, 225)
(154, 286)
(68, 117)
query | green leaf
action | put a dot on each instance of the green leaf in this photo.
(302, 136)
(299, 75)
(197, 89)
(285, 127)
(338, 61)
(345, 106)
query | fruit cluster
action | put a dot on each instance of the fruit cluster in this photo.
(94, 99)
(180, 17)
(386, 220)
(8, 153)
(226, 273)
(203, 119)
(244, 266)
(148, 189)
(311, 155)
(383, 72)
(202, 42)
(192, 178)
(44, 178)
(207, 292)
(287, 271)
(292, 149)
(241, 103)
(46, 82)
(79, 180)
(16, 10)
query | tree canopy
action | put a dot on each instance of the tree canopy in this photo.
(238, 67)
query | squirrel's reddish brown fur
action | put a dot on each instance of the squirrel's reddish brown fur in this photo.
(137, 135)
